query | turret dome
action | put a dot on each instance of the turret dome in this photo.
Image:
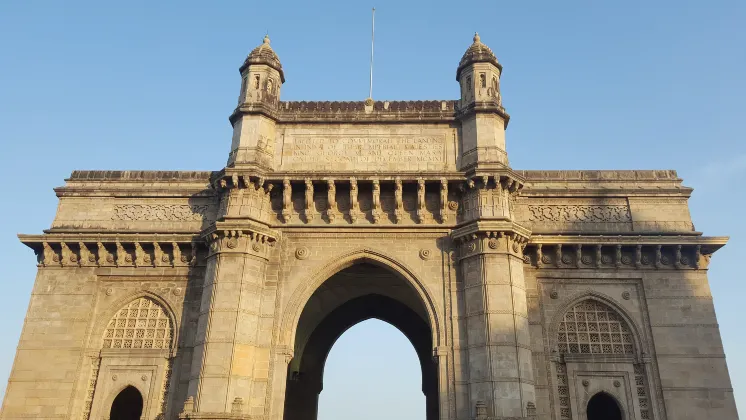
(477, 53)
(264, 54)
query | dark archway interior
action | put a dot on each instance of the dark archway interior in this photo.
(361, 292)
(603, 407)
(127, 405)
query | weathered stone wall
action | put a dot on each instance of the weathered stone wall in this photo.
(672, 317)
(104, 255)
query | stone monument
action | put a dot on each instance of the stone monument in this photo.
(218, 295)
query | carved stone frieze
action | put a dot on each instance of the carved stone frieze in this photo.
(579, 213)
(161, 212)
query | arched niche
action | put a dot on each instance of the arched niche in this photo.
(599, 352)
(603, 406)
(127, 405)
(136, 346)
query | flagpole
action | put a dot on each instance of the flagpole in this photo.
(372, 43)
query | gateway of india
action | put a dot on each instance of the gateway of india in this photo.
(563, 295)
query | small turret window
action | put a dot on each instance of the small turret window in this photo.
(482, 80)
(256, 82)
(242, 95)
(494, 83)
(468, 83)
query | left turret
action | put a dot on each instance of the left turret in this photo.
(254, 119)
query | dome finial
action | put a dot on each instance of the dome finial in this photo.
(266, 39)
(476, 37)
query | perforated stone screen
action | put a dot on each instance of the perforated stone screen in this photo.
(142, 324)
(592, 327)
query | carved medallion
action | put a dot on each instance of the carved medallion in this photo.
(425, 254)
(301, 253)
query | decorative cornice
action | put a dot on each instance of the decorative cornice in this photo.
(358, 111)
(712, 243)
(114, 250)
(489, 228)
(482, 107)
(601, 175)
(617, 252)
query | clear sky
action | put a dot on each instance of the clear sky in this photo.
(589, 84)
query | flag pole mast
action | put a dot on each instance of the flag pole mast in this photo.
(372, 43)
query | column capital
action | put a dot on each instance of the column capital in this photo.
(245, 238)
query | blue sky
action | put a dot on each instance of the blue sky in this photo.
(589, 84)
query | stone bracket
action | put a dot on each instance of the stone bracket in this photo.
(233, 237)
(640, 252)
(115, 250)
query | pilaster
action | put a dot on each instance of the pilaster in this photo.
(500, 374)
(232, 359)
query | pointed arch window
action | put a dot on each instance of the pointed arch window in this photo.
(592, 327)
(141, 324)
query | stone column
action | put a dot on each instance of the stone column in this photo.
(282, 357)
(228, 353)
(499, 352)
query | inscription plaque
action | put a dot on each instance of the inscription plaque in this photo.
(367, 151)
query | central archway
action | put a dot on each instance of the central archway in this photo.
(355, 294)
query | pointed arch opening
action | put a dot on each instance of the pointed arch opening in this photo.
(603, 406)
(360, 292)
(127, 405)
(372, 372)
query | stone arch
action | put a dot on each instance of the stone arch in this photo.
(601, 392)
(639, 346)
(107, 403)
(113, 309)
(334, 265)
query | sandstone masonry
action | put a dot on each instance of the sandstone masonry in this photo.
(217, 295)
